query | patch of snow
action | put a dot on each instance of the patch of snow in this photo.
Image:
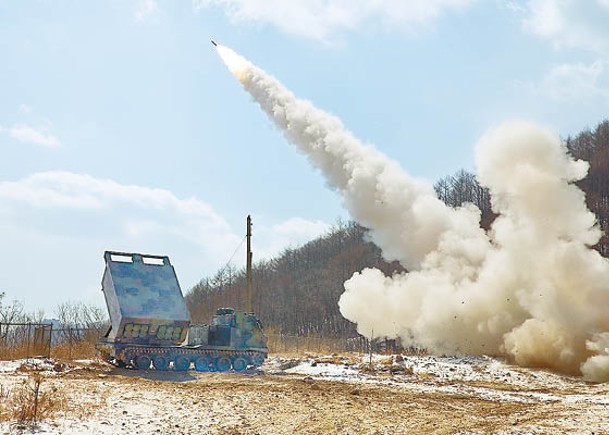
(9, 366)
(149, 410)
(29, 363)
(445, 374)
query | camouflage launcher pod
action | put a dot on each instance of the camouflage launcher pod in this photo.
(150, 324)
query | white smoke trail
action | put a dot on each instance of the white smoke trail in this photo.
(406, 218)
(530, 289)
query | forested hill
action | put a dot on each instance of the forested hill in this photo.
(298, 292)
(593, 146)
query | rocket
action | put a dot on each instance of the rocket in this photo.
(214, 43)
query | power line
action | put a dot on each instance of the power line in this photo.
(233, 256)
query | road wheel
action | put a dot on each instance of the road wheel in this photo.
(181, 363)
(223, 364)
(257, 360)
(160, 362)
(142, 362)
(202, 364)
(239, 364)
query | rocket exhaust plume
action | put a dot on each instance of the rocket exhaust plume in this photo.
(530, 289)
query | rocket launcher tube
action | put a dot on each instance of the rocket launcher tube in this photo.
(144, 299)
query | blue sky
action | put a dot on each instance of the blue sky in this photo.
(120, 128)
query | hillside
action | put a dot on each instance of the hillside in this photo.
(297, 292)
(593, 146)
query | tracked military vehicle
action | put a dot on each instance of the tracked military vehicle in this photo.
(150, 325)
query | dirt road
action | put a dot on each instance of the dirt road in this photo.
(299, 397)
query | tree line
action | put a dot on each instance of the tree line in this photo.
(592, 145)
(295, 293)
(67, 314)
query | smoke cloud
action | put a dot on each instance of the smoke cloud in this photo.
(530, 289)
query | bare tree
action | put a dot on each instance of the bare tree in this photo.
(80, 315)
(12, 313)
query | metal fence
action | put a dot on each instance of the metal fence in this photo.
(27, 340)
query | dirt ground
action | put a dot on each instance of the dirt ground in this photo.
(310, 396)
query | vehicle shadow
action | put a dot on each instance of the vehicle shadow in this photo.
(155, 375)
(172, 376)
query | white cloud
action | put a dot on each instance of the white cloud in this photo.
(569, 23)
(74, 193)
(573, 28)
(545, 19)
(514, 6)
(577, 82)
(291, 233)
(146, 10)
(71, 218)
(322, 19)
(144, 209)
(38, 136)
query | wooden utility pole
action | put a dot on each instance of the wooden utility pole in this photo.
(248, 267)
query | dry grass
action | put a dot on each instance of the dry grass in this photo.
(5, 394)
(14, 352)
(298, 345)
(292, 346)
(401, 370)
(17, 351)
(368, 369)
(80, 349)
(67, 350)
(29, 402)
(386, 362)
(42, 396)
(346, 359)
